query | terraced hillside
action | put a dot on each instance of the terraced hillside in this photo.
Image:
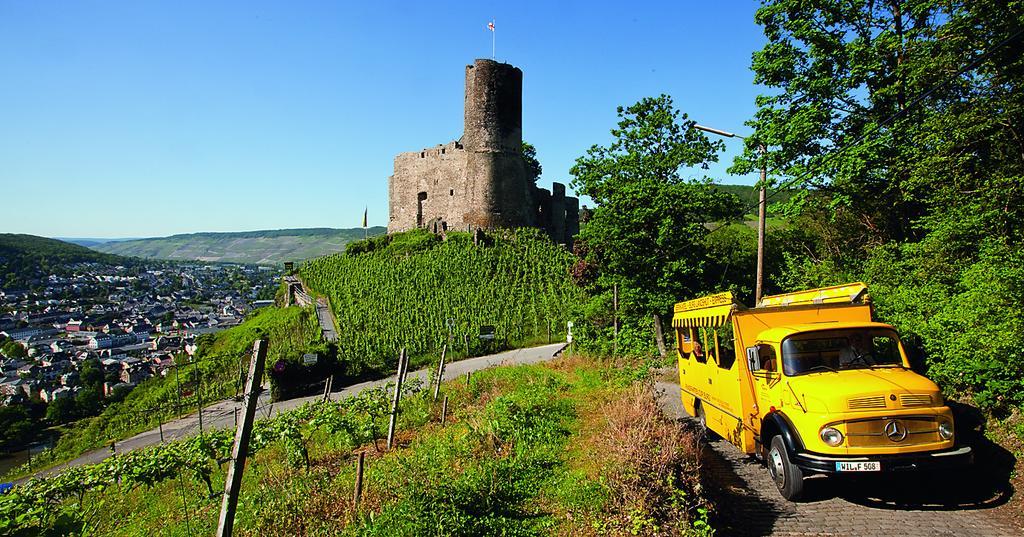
(269, 247)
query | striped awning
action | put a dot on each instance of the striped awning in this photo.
(705, 317)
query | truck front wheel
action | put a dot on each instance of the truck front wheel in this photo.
(787, 476)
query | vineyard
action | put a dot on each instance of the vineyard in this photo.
(560, 448)
(73, 501)
(415, 290)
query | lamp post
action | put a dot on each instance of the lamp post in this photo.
(761, 203)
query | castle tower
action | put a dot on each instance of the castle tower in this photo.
(493, 137)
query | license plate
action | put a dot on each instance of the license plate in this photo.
(872, 466)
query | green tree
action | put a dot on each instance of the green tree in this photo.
(533, 167)
(13, 349)
(88, 401)
(647, 231)
(61, 411)
(16, 427)
(913, 151)
(91, 373)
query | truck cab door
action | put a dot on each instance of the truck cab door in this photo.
(766, 376)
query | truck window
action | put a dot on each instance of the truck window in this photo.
(726, 346)
(684, 343)
(835, 350)
(769, 363)
(704, 346)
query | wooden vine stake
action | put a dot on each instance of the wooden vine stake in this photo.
(233, 481)
(403, 361)
(359, 479)
(440, 372)
(444, 410)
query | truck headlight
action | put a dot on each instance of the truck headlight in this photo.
(831, 436)
(946, 429)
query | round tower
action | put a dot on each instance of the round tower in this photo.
(494, 107)
(493, 140)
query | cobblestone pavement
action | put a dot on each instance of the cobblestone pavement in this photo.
(750, 505)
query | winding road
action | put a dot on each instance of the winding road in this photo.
(225, 413)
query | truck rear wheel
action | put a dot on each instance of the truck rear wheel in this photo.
(702, 419)
(787, 476)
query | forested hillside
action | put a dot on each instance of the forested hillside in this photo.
(413, 290)
(257, 247)
(27, 257)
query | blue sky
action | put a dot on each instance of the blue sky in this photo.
(132, 119)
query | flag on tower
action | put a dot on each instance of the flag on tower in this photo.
(364, 216)
(490, 26)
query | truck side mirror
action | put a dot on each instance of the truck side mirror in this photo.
(753, 359)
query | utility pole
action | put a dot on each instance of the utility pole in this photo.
(615, 320)
(762, 200)
(240, 449)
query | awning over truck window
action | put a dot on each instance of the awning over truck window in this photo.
(705, 317)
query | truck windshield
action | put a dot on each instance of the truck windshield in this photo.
(835, 350)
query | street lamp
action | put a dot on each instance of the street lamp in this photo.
(761, 203)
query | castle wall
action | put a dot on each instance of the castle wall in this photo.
(480, 181)
(437, 174)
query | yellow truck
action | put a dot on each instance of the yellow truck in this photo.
(808, 383)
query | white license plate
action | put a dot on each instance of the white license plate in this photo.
(873, 466)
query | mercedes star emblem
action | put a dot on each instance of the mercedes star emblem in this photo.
(895, 431)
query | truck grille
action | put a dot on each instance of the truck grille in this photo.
(872, 432)
(867, 403)
(915, 400)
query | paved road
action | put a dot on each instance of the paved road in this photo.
(326, 318)
(225, 413)
(750, 505)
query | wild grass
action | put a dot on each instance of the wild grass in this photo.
(574, 447)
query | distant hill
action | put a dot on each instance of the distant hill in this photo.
(748, 195)
(88, 242)
(28, 257)
(270, 247)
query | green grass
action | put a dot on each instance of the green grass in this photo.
(531, 450)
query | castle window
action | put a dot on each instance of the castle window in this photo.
(442, 150)
(423, 154)
(420, 198)
(451, 192)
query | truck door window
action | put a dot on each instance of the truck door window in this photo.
(769, 363)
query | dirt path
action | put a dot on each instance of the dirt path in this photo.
(749, 504)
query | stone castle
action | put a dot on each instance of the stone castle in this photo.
(480, 181)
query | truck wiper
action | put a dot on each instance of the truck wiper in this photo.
(820, 366)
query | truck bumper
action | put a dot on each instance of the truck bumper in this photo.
(957, 457)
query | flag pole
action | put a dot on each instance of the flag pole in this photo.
(492, 38)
